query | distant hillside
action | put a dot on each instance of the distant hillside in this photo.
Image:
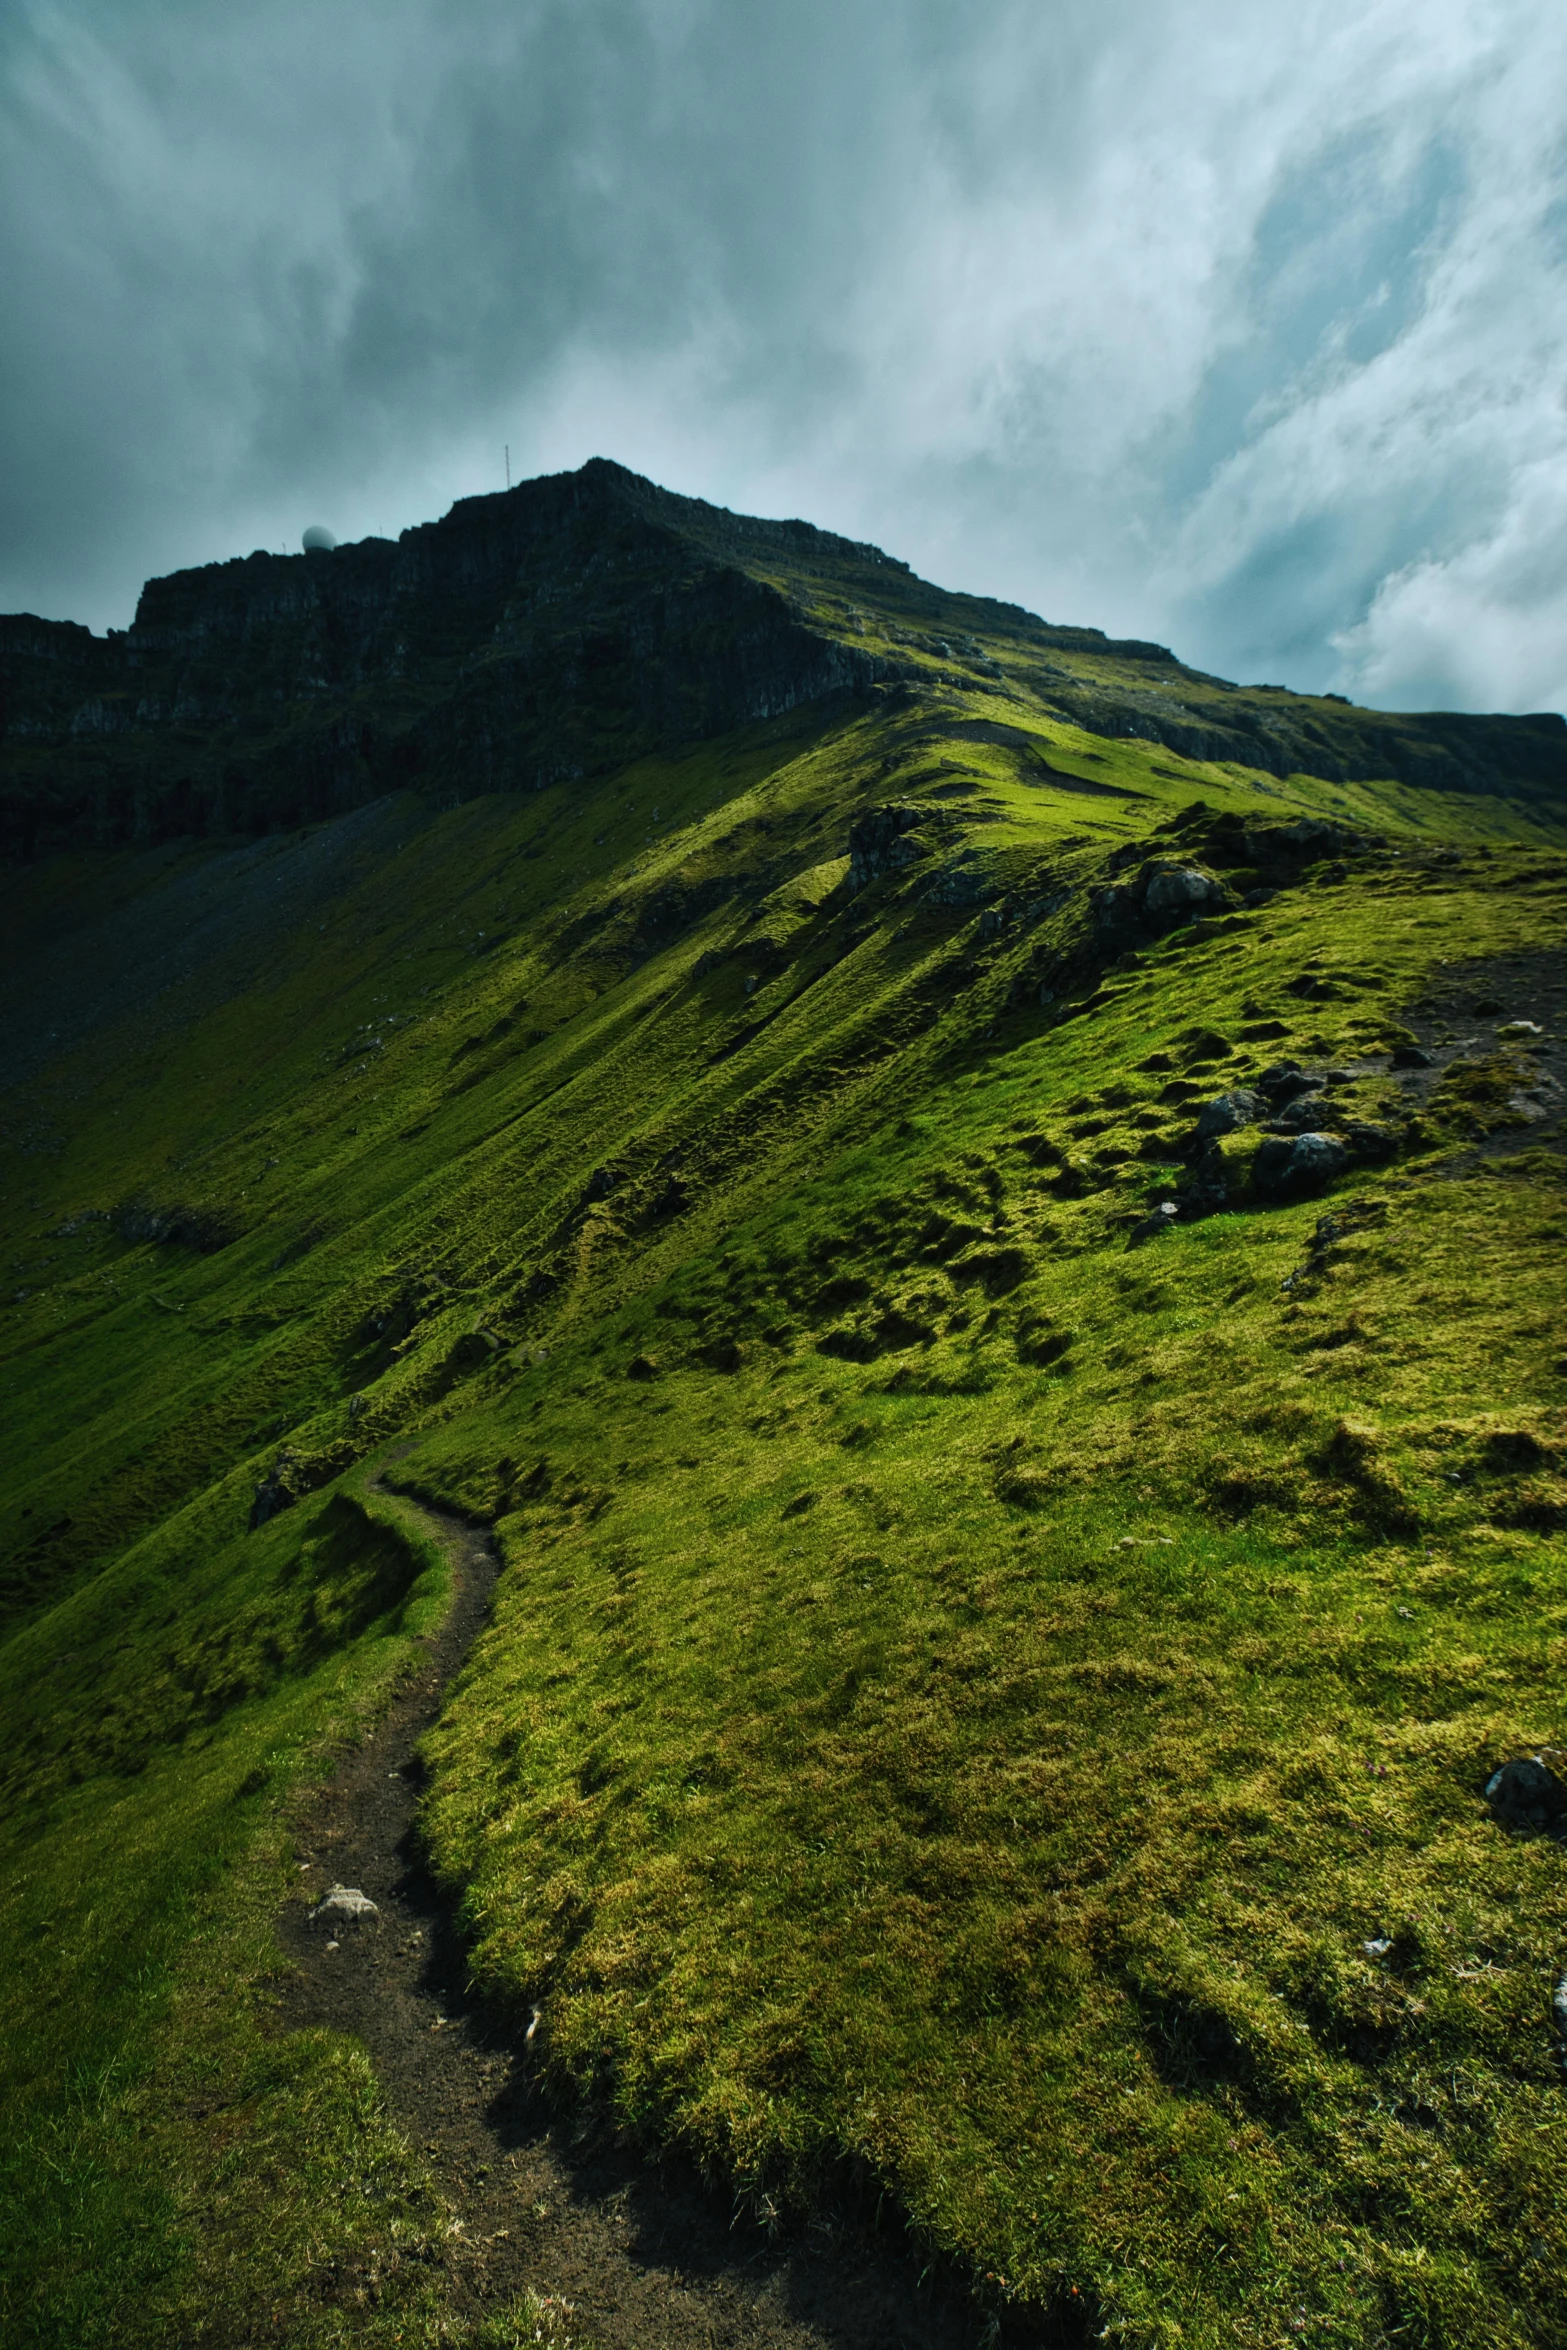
(561, 628)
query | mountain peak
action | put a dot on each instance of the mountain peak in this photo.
(558, 628)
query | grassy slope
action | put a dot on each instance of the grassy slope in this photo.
(985, 1759)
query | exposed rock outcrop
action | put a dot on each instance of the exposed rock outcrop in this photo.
(574, 623)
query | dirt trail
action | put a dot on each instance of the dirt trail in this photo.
(648, 2259)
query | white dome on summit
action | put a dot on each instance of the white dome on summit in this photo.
(318, 540)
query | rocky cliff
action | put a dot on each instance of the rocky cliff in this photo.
(569, 625)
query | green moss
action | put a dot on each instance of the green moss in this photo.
(962, 1695)
(161, 2145)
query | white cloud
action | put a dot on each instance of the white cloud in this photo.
(1485, 628)
(1242, 327)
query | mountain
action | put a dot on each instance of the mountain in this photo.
(556, 631)
(975, 1217)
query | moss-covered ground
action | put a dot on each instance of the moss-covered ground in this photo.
(972, 1705)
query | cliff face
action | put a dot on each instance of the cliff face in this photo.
(524, 638)
(565, 627)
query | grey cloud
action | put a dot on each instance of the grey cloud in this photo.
(1234, 326)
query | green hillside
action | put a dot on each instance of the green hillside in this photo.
(1014, 1581)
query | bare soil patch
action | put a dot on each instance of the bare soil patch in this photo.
(1459, 1019)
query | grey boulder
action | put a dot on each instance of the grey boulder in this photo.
(1284, 1080)
(1304, 1115)
(1526, 1793)
(1228, 1112)
(1178, 887)
(1285, 1168)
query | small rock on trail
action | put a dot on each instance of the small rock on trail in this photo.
(340, 1902)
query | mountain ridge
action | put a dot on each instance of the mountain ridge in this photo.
(556, 629)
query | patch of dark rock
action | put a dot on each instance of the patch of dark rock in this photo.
(1371, 1145)
(1526, 1793)
(1158, 896)
(642, 1367)
(879, 843)
(1305, 1113)
(1209, 1187)
(1290, 1167)
(1284, 1080)
(276, 1492)
(1411, 1056)
(1180, 888)
(1227, 1113)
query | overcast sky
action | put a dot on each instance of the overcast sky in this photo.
(1239, 325)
